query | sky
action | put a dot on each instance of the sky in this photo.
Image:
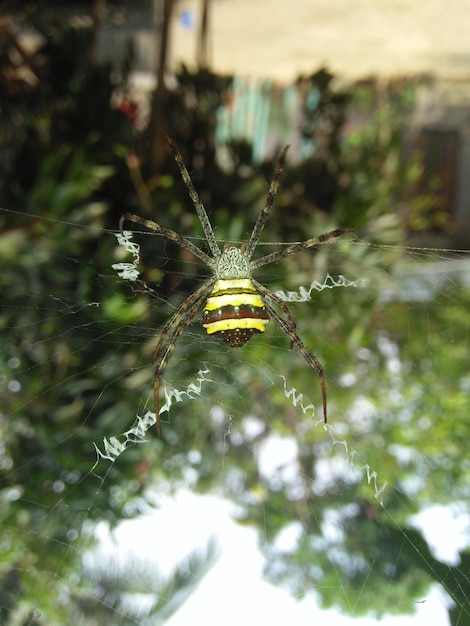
(234, 592)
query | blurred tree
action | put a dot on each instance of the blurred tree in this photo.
(202, 54)
(127, 589)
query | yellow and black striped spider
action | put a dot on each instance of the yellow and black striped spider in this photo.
(234, 305)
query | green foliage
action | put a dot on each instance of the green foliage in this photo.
(58, 133)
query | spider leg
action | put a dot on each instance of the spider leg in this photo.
(289, 326)
(263, 216)
(169, 335)
(169, 234)
(302, 245)
(200, 210)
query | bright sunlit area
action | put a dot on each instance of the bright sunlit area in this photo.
(235, 284)
(235, 586)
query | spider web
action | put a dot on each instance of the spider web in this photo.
(371, 482)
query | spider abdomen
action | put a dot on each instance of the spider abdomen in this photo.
(234, 311)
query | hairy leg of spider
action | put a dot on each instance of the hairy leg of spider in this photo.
(182, 311)
(200, 210)
(171, 331)
(263, 216)
(289, 327)
(302, 245)
(189, 316)
(285, 309)
(169, 234)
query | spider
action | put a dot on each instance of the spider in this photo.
(234, 305)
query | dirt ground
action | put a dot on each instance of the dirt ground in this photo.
(355, 38)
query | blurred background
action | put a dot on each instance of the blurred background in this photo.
(365, 519)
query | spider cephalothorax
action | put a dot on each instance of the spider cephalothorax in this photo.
(234, 305)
